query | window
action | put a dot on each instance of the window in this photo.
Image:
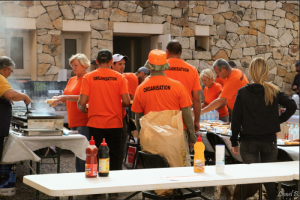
(71, 45)
(202, 43)
(17, 47)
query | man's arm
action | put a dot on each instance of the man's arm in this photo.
(197, 109)
(131, 97)
(216, 104)
(13, 95)
(125, 100)
(188, 122)
(81, 103)
(294, 85)
(137, 121)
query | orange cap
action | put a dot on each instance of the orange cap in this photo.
(157, 57)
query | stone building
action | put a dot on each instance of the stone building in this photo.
(41, 35)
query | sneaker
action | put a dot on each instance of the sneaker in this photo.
(113, 195)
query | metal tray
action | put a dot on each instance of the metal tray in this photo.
(42, 132)
(38, 115)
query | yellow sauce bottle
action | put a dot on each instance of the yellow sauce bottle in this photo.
(199, 159)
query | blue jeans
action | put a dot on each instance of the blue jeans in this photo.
(260, 152)
(80, 164)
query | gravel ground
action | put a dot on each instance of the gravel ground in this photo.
(67, 165)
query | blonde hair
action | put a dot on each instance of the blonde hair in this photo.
(259, 71)
(83, 60)
(208, 73)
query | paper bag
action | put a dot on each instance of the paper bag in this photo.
(162, 133)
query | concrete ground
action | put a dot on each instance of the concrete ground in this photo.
(67, 165)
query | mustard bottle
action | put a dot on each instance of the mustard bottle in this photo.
(199, 159)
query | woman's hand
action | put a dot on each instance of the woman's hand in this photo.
(59, 99)
(235, 150)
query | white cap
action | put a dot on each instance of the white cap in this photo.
(118, 57)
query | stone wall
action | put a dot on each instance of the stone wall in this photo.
(239, 30)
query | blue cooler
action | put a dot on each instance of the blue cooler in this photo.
(7, 179)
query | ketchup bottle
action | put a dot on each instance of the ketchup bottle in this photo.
(91, 165)
(103, 159)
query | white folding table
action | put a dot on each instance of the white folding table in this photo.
(70, 184)
(291, 166)
(19, 148)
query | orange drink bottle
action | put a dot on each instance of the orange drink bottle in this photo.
(199, 159)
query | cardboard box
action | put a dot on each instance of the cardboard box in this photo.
(284, 133)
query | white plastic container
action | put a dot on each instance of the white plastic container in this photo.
(220, 158)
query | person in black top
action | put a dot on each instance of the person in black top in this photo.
(256, 118)
(296, 83)
(232, 64)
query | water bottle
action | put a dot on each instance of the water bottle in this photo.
(217, 115)
(291, 131)
(296, 132)
(214, 114)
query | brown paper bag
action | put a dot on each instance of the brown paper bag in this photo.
(162, 133)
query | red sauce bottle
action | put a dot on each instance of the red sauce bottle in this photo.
(91, 164)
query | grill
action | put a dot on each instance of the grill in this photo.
(37, 124)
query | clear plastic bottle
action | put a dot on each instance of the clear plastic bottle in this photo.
(296, 132)
(217, 115)
(210, 115)
(205, 116)
(291, 131)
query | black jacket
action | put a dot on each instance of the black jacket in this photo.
(296, 82)
(258, 121)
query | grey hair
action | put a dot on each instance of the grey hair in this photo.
(221, 63)
(6, 62)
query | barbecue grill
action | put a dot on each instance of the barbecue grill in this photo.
(37, 124)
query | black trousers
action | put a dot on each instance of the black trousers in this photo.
(256, 152)
(113, 138)
(1, 146)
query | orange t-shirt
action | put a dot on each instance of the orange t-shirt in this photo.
(211, 94)
(220, 81)
(104, 87)
(76, 118)
(234, 82)
(158, 93)
(184, 73)
(133, 82)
